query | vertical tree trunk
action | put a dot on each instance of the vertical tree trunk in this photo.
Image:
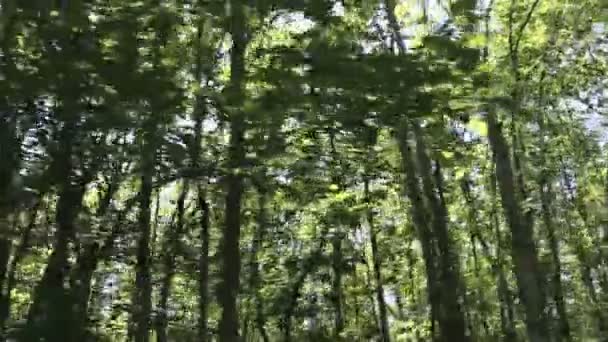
(8, 166)
(169, 264)
(421, 218)
(81, 289)
(384, 330)
(453, 321)
(337, 260)
(254, 280)
(203, 266)
(336, 286)
(5, 247)
(370, 293)
(229, 249)
(86, 264)
(546, 194)
(202, 204)
(50, 314)
(583, 256)
(523, 248)
(142, 299)
(502, 290)
(11, 279)
(507, 316)
(294, 288)
(558, 295)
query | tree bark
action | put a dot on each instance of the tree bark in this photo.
(502, 290)
(294, 288)
(142, 299)
(229, 249)
(582, 254)
(49, 315)
(523, 247)
(203, 266)
(254, 265)
(453, 323)
(169, 264)
(336, 286)
(384, 329)
(421, 218)
(556, 277)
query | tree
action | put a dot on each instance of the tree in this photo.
(335, 170)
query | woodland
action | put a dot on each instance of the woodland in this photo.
(303, 170)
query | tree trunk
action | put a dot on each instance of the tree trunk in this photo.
(142, 299)
(169, 264)
(7, 169)
(229, 249)
(523, 248)
(558, 295)
(203, 266)
(453, 324)
(81, 288)
(420, 217)
(336, 286)
(502, 290)
(254, 265)
(294, 288)
(11, 279)
(5, 248)
(384, 330)
(583, 256)
(203, 205)
(86, 264)
(49, 315)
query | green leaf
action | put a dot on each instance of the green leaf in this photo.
(478, 126)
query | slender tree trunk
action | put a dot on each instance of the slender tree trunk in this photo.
(502, 290)
(336, 287)
(370, 293)
(454, 323)
(583, 255)
(399, 303)
(50, 314)
(5, 248)
(337, 259)
(202, 204)
(421, 218)
(507, 311)
(229, 249)
(142, 299)
(558, 295)
(384, 330)
(86, 264)
(169, 264)
(81, 288)
(9, 157)
(294, 288)
(11, 279)
(203, 266)
(254, 280)
(523, 248)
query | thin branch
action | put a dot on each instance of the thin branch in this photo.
(525, 23)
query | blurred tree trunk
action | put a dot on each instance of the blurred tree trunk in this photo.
(523, 248)
(230, 256)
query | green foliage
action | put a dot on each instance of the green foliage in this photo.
(332, 126)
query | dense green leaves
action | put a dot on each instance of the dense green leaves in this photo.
(303, 170)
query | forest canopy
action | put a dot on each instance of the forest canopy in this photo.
(303, 170)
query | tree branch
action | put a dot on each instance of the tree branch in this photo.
(524, 24)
